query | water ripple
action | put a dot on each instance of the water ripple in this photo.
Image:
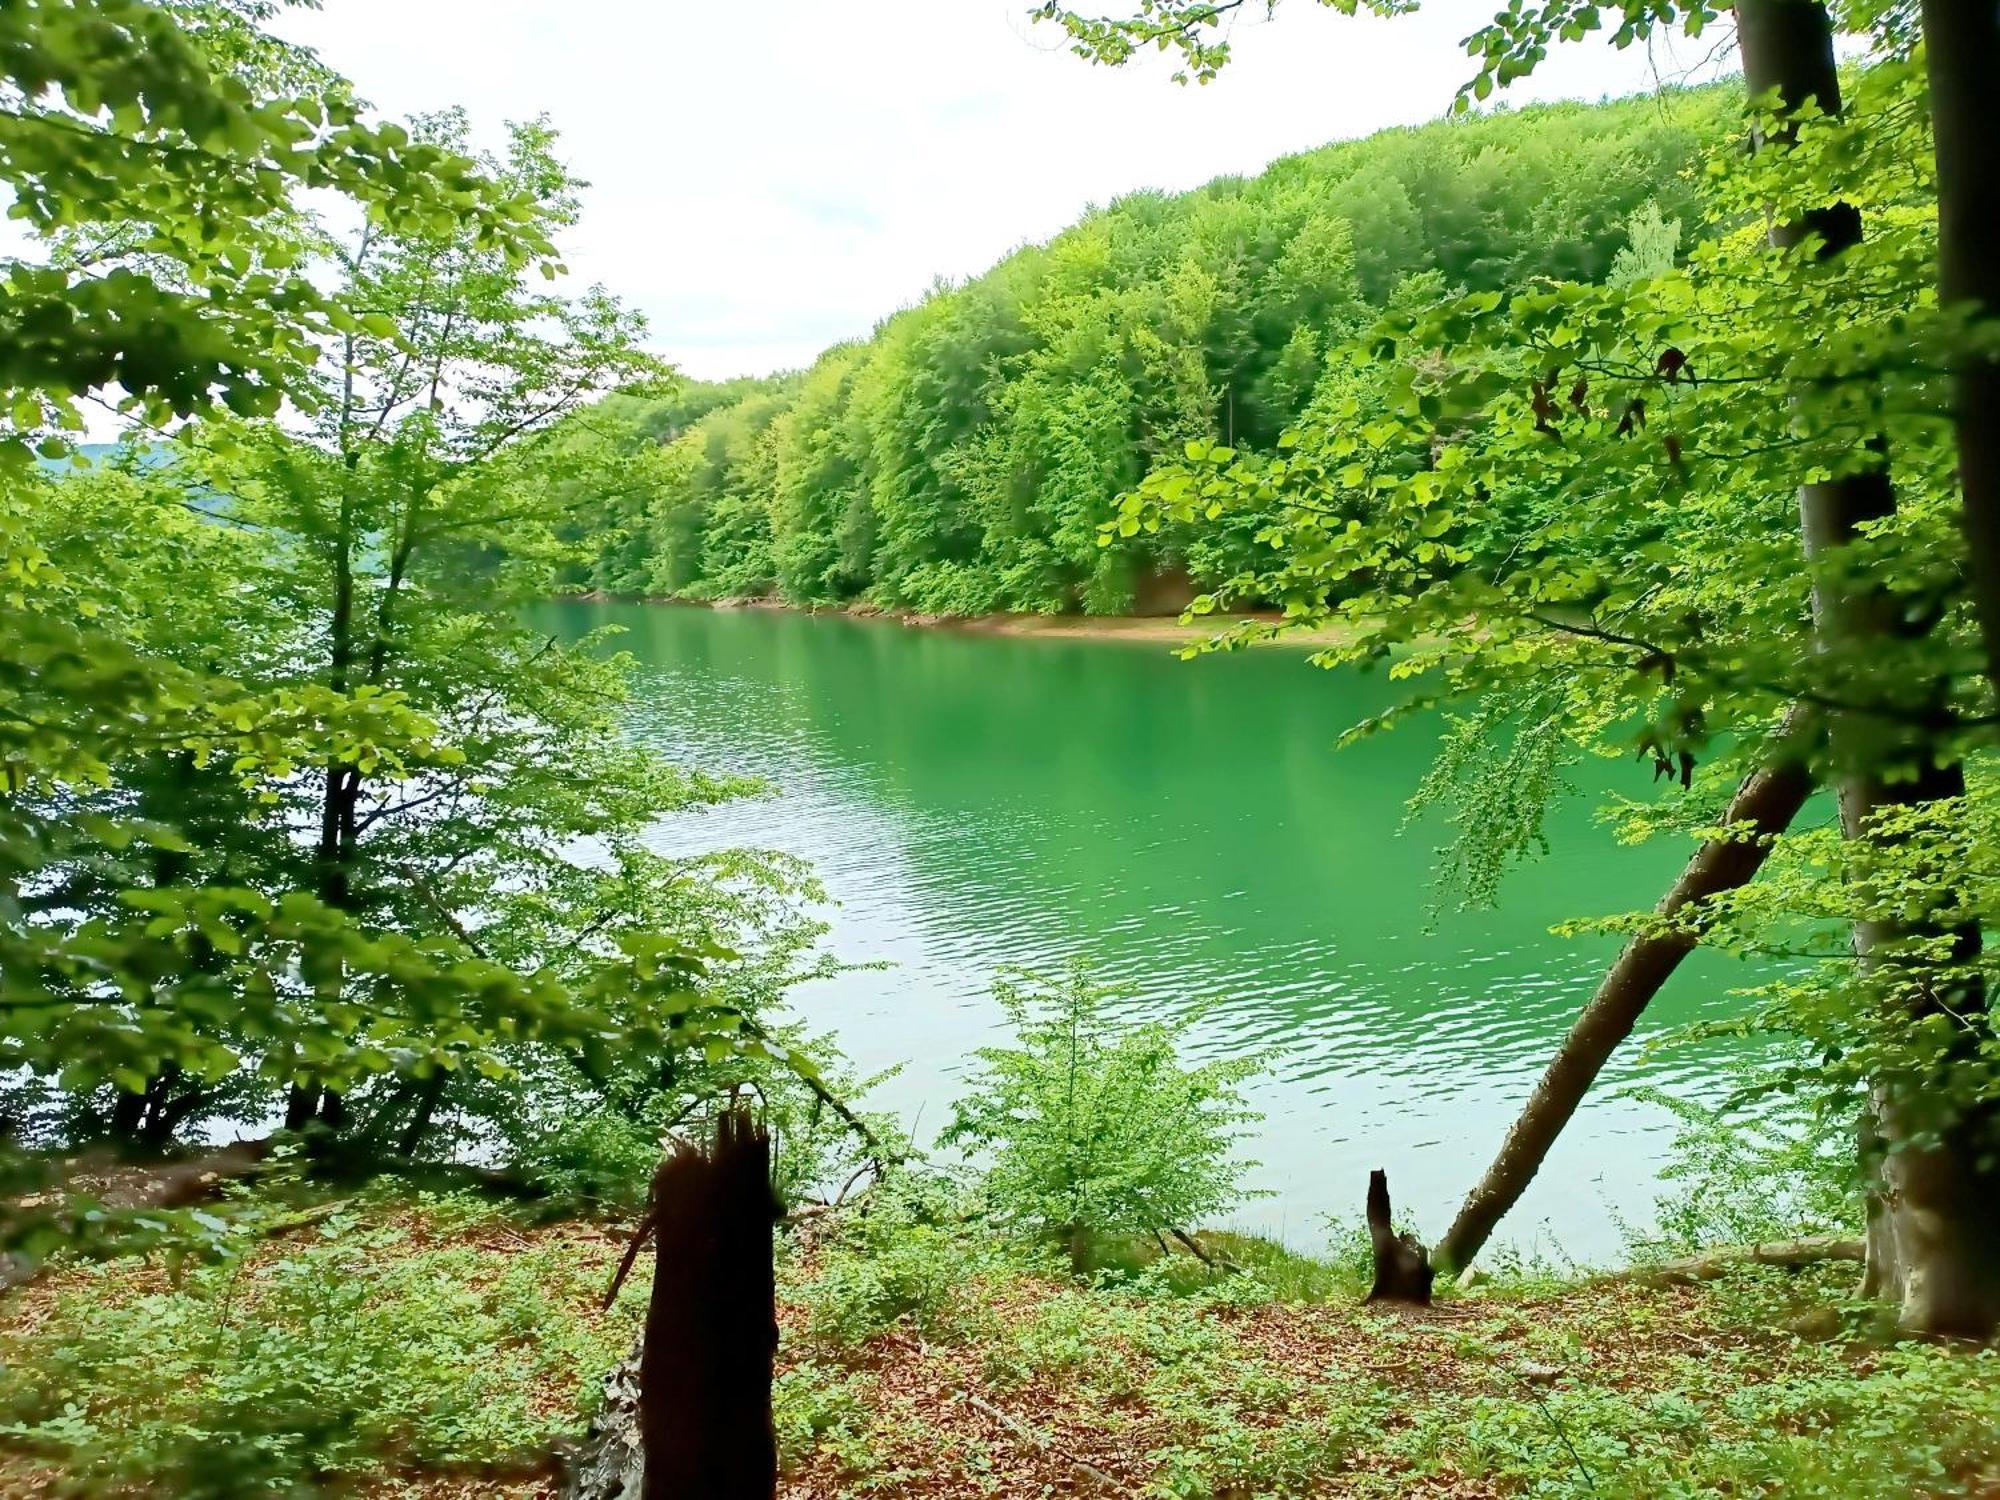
(973, 804)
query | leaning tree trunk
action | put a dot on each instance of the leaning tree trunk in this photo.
(688, 1415)
(1764, 805)
(1933, 1207)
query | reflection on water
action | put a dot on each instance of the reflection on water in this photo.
(974, 802)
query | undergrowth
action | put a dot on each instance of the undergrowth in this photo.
(931, 1349)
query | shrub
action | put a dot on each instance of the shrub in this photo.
(905, 1258)
(325, 1364)
(1097, 1128)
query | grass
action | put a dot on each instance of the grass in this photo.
(441, 1348)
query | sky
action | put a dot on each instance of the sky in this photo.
(769, 177)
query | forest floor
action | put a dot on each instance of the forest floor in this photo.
(444, 1347)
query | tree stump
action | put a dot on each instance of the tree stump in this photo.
(1403, 1271)
(688, 1415)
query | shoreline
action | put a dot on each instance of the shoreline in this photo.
(1150, 630)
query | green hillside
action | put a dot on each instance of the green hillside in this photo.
(960, 459)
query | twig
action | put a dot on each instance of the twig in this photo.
(1040, 1441)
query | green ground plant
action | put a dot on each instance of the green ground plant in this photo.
(407, 1338)
(363, 1348)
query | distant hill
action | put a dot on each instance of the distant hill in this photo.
(147, 455)
(960, 458)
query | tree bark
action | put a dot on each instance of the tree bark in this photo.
(1765, 804)
(1403, 1271)
(1934, 1209)
(1962, 56)
(689, 1414)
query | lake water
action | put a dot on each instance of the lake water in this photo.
(977, 801)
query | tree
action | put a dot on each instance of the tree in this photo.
(151, 151)
(960, 459)
(1639, 386)
(285, 811)
(1098, 1128)
(1654, 242)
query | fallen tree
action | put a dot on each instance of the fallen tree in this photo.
(99, 1181)
(1711, 1264)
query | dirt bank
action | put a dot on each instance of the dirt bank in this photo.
(1148, 630)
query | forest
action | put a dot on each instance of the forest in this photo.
(414, 1086)
(961, 459)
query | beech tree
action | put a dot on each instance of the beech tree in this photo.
(1577, 499)
(295, 810)
(960, 458)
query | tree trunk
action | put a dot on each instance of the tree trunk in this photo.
(1765, 803)
(1956, 1286)
(429, 1094)
(301, 1106)
(1934, 1209)
(1962, 56)
(689, 1414)
(1403, 1271)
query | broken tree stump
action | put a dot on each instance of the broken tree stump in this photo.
(1403, 1271)
(688, 1415)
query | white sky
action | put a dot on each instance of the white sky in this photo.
(772, 176)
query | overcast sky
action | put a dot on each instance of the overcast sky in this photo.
(772, 176)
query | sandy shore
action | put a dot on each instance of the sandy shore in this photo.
(1157, 630)
(1144, 630)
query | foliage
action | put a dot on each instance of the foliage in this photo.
(1655, 240)
(904, 1258)
(302, 826)
(422, 448)
(1498, 769)
(367, 1348)
(1734, 1179)
(1576, 506)
(959, 461)
(1095, 1127)
(599, 1141)
(155, 149)
(151, 152)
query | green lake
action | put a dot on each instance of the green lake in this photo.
(977, 801)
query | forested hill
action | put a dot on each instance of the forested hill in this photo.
(961, 458)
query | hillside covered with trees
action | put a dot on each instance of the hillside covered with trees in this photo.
(960, 459)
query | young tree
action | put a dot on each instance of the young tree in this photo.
(1097, 1128)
